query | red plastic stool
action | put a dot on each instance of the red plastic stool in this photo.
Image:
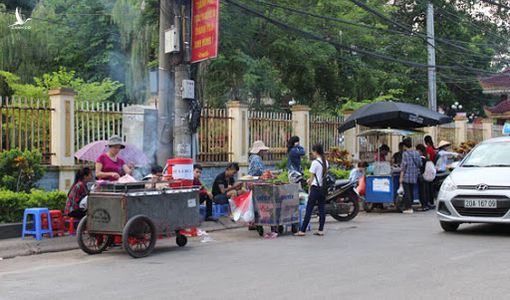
(57, 222)
(72, 224)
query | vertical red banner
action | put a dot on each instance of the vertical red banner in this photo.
(205, 28)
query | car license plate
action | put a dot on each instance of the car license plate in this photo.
(480, 203)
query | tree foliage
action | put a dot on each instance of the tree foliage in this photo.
(85, 91)
(258, 60)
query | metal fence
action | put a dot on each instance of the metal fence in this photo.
(324, 130)
(475, 132)
(213, 136)
(96, 121)
(497, 130)
(25, 124)
(274, 129)
(446, 132)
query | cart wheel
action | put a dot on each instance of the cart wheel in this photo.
(91, 243)
(139, 236)
(260, 230)
(181, 240)
(368, 206)
(295, 228)
(281, 229)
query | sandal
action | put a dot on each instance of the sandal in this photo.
(299, 233)
(318, 233)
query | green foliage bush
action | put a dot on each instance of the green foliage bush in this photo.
(20, 170)
(13, 204)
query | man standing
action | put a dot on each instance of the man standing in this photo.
(411, 164)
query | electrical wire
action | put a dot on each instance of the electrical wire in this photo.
(408, 31)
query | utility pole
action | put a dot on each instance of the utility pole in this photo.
(431, 57)
(174, 138)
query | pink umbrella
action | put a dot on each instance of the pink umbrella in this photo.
(130, 154)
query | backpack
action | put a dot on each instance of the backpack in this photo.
(328, 180)
(430, 171)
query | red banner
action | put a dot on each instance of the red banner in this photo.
(205, 27)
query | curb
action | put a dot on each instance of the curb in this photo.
(33, 247)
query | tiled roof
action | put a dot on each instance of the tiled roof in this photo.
(501, 107)
(499, 80)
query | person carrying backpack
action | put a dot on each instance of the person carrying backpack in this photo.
(318, 190)
(426, 179)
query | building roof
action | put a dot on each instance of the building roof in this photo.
(501, 107)
(497, 84)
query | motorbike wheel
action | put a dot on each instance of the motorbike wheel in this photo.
(352, 201)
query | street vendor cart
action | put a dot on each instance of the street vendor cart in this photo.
(140, 215)
(276, 205)
(382, 186)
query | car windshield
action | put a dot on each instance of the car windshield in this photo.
(489, 155)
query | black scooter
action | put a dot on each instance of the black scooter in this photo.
(342, 201)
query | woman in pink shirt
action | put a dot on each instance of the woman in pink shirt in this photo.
(108, 165)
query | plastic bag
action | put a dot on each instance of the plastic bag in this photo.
(362, 186)
(242, 208)
(83, 203)
(400, 190)
(126, 179)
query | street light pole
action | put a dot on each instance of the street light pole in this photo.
(431, 57)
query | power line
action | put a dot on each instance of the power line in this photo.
(322, 39)
(408, 31)
(496, 4)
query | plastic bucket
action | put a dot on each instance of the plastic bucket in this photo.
(180, 169)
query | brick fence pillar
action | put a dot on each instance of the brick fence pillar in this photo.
(62, 134)
(238, 130)
(301, 125)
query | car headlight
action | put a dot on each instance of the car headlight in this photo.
(448, 185)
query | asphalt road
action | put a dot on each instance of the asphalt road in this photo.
(375, 256)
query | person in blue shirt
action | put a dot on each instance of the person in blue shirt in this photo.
(294, 153)
(256, 165)
(358, 172)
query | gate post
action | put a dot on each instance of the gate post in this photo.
(62, 134)
(301, 125)
(350, 138)
(487, 128)
(460, 130)
(238, 131)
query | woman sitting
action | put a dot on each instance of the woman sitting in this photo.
(77, 192)
(109, 166)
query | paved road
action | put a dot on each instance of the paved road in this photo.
(375, 256)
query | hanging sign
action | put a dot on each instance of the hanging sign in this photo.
(205, 28)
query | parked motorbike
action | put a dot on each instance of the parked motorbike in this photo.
(342, 201)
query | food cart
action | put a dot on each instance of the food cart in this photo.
(276, 205)
(139, 214)
(382, 186)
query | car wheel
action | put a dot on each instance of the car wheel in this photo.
(449, 226)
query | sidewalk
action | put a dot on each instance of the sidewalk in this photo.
(10, 248)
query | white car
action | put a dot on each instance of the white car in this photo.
(478, 190)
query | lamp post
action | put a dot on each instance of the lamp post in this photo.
(456, 108)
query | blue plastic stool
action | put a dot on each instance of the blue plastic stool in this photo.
(220, 210)
(38, 230)
(202, 212)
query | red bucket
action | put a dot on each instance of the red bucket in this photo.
(180, 170)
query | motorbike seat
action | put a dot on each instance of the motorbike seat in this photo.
(342, 182)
